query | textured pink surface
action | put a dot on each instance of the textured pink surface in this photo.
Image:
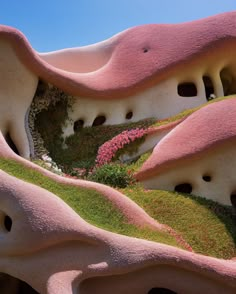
(207, 128)
(130, 69)
(55, 251)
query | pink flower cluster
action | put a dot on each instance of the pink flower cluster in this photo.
(108, 150)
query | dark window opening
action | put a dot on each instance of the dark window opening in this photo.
(161, 291)
(41, 89)
(206, 178)
(9, 284)
(7, 223)
(209, 88)
(78, 125)
(11, 144)
(184, 188)
(233, 199)
(228, 82)
(99, 120)
(187, 89)
(129, 115)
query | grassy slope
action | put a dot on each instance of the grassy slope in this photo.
(208, 227)
(206, 232)
(89, 204)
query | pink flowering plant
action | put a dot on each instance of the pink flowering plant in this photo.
(112, 148)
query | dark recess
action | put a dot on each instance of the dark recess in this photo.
(187, 89)
(161, 291)
(7, 223)
(184, 188)
(233, 199)
(129, 115)
(78, 125)
(11, 144)
(22, 287)
(99, 120)
(209, 88)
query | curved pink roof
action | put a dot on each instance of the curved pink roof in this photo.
(136, 58)
(205, 129)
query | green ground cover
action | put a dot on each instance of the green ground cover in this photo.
(88, 203)
(210, 230)
(208, 227)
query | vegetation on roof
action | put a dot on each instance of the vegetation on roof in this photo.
(210, 230)
(88, 203)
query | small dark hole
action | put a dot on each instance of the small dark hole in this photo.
(145, 50)
(209, 88)
(206, 178)
(184, 188)
(7, 223)
(161, 291)
(187, 89)
(129, 115)
(78, 125)
(233, 200)
(99, 120)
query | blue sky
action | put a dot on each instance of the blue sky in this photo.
(56, 24)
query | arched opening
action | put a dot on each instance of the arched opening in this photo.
(228, 82)
(99, 120)
(187, 89)
(161, 291)
(78, 125)
(11, 144)
(184, 188)
(11, 285)
(209, 88)
(129, 115)
(7, 223)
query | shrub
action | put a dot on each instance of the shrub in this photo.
(114, 175)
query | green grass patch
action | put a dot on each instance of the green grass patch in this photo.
(88, 203)
(207, 226)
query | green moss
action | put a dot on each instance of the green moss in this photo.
(207, 226)
(88, 203)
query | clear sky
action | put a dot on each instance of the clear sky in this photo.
(56, 24)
